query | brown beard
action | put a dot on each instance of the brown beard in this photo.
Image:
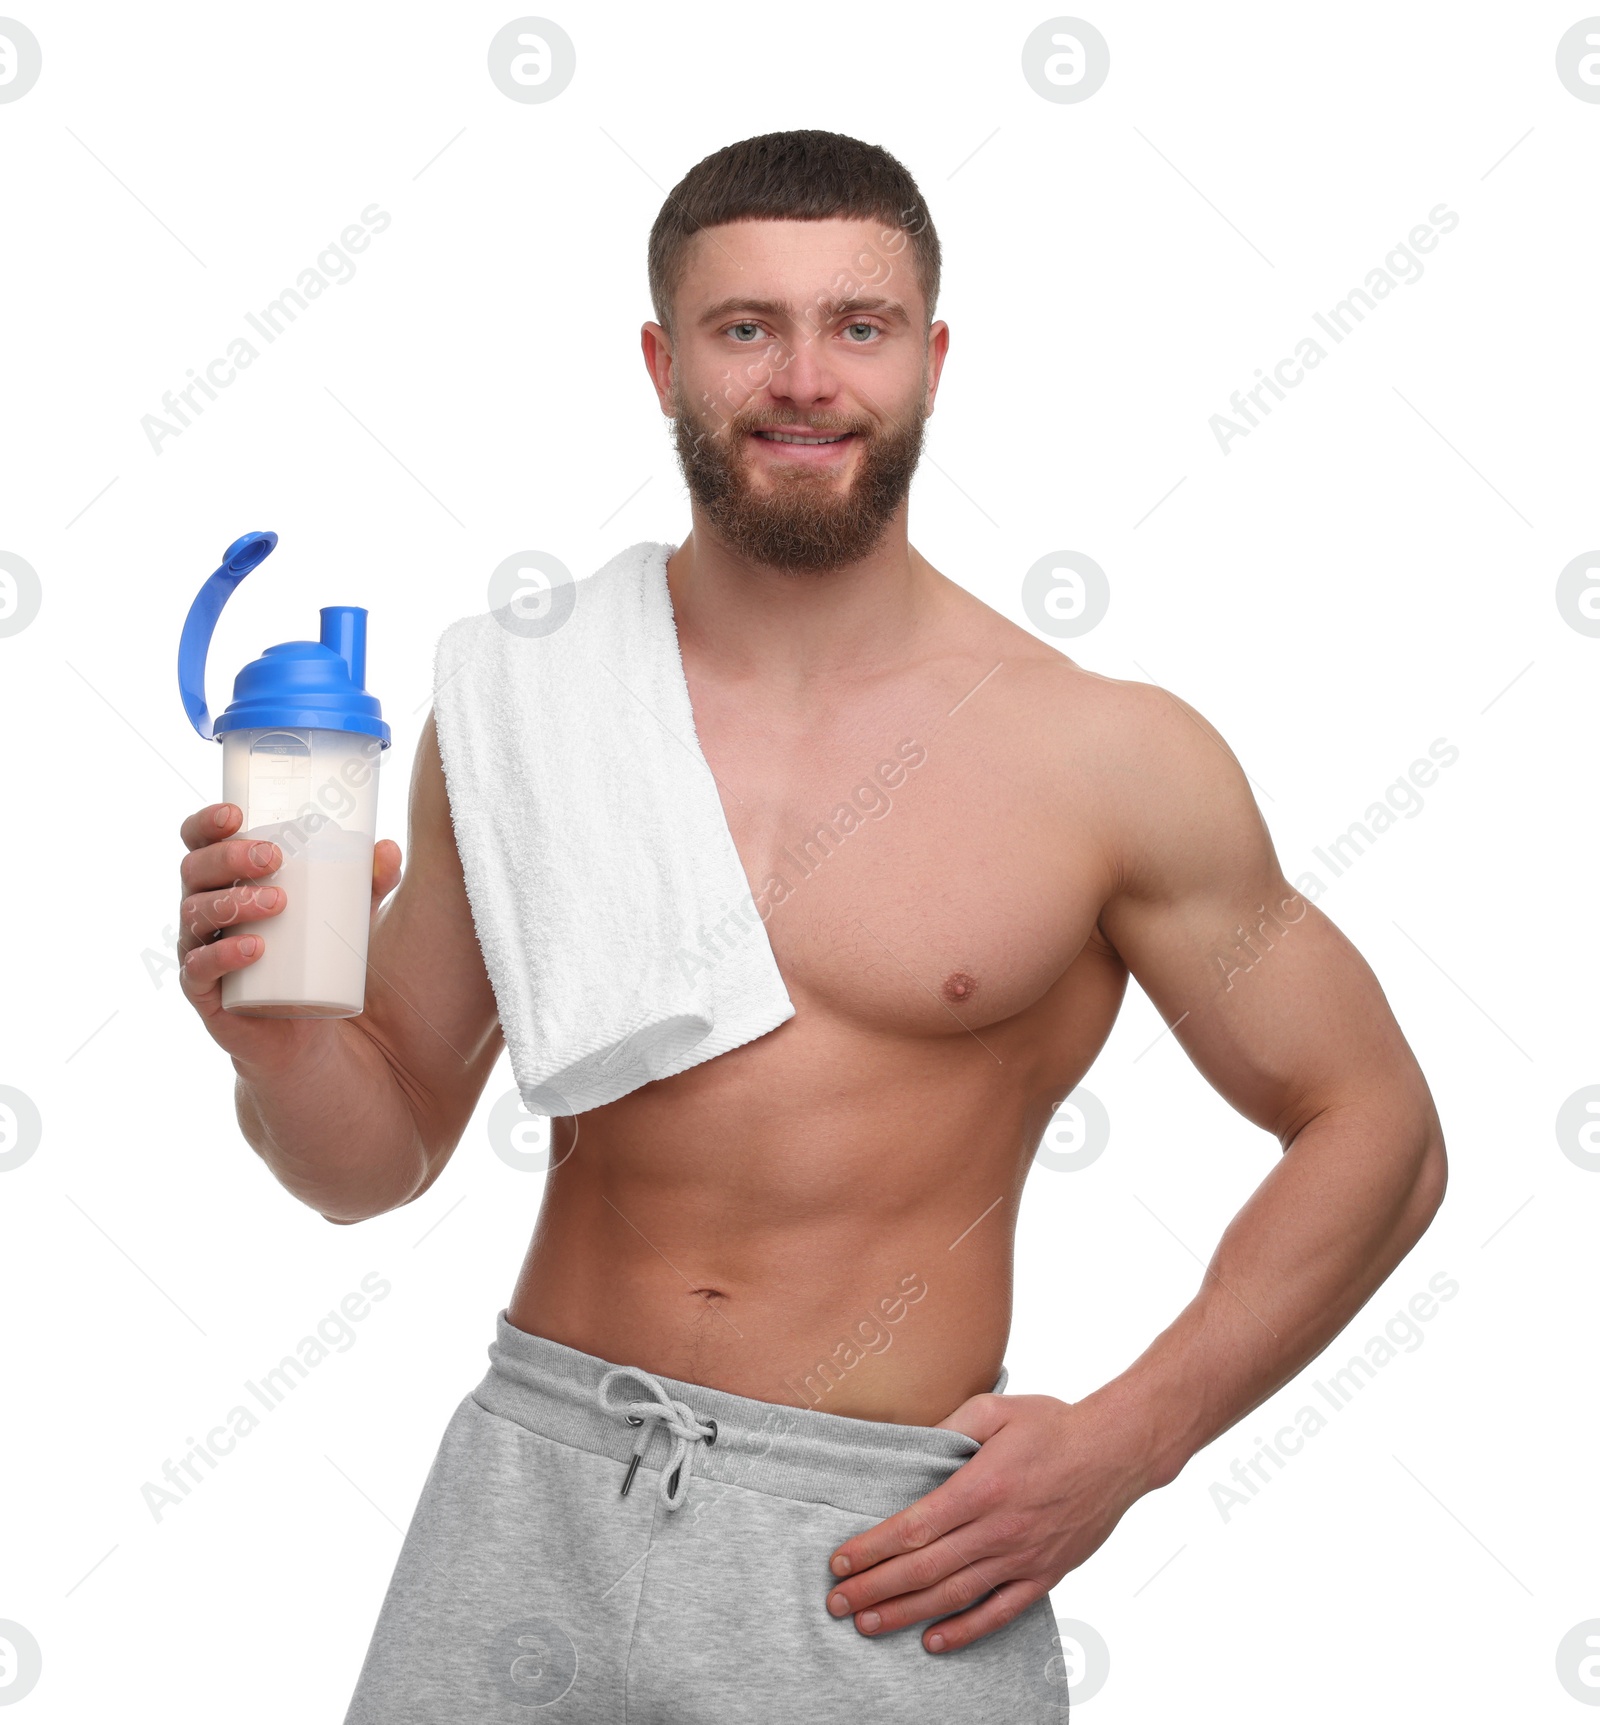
(799, 521)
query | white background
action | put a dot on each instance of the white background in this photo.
(1371, 569)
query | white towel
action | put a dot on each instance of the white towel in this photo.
(617, 927)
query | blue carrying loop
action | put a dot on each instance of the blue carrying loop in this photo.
(243, 555)
(296, 685)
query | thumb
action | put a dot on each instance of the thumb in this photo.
(385, 870)
(978, 1417)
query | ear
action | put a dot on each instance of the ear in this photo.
(938, 346)
(657, 346)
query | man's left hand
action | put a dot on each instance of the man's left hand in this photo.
(1050, 1483)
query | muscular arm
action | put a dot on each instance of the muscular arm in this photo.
(364, 1119)
(1294, 1031)
(1284, 1018)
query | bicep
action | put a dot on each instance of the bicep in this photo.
(430, 1006)
(1276, 1008)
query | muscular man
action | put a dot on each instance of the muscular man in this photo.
(954, 968)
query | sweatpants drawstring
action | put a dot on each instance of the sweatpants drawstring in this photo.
(661, 1410)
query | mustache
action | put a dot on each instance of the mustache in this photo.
(824, 425)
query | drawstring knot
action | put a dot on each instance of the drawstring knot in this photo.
(660, 1410)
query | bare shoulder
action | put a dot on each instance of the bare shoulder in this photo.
(1117, 724)
(1131, 764)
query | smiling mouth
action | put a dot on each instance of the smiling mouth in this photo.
(813, 440)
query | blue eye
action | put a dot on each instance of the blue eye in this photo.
(754, 328)
(870, 328)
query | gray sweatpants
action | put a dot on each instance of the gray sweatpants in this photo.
(532, 1585)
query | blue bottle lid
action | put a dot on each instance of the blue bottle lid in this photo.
(297, 685)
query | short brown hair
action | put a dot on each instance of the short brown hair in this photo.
(804, 176)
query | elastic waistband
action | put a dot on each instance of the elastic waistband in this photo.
(868, 1466)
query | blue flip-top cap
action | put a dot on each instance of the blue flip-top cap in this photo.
(298, 685)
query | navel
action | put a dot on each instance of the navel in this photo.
(959, 987)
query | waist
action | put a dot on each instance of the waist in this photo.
(873, 1467)
(887, 1326)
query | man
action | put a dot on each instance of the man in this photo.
(954, 966)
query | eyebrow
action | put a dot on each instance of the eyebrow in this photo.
(777, 308)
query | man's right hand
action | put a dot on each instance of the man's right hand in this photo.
(221, 877)
(353, 1115)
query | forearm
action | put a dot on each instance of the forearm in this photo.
(334, 1126)
(1343, 1207)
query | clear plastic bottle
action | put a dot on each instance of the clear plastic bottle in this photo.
(301, 743)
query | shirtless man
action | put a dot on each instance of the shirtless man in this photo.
(954, 968)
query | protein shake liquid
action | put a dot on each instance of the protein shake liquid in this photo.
(301, 741)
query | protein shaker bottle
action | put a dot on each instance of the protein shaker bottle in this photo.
(301, 741)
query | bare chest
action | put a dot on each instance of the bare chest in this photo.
(910, 877)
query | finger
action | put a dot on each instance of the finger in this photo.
(385, 869)
(202, 915)
(978, 1417)
(967, 1493)
(220, 865)
(914, 1574)
(965, 1585)
(1003, 1606)
(209, 824)
(205, 966)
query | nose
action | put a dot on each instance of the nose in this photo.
(805, 378)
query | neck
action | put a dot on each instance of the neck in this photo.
(738, 619)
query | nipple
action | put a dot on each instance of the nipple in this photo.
(959, 987)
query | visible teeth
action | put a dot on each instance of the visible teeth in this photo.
(785, 437)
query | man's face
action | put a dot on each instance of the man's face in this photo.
(799, 377)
